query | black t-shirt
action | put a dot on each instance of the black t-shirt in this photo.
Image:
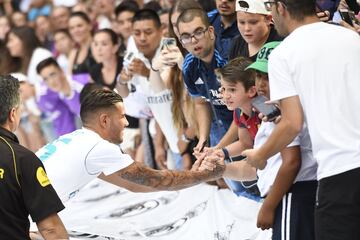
(239, 47)
(24, 189)
(96, 75)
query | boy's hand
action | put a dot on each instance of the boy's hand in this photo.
(265, 219)
(253, 159)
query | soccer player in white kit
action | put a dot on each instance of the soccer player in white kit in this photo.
(74, 159)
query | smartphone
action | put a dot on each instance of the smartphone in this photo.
(269, 110)
(167, 42)
(347, 16)
(128, 58)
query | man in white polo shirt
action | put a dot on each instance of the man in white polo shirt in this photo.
(314, 73)
(74, 159)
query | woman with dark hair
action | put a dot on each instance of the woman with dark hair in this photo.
(80, 28)
(105, 46)
(25, 48)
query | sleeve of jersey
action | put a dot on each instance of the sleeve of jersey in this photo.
(39, 196)
(280, 80)
(106, 158)
(189, 76)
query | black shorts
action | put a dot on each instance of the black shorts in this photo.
(294, 217)
(337, 213)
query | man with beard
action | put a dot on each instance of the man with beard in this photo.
(223, 19)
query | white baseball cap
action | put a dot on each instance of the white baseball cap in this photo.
(251, 6)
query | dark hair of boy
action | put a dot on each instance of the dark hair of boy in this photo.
(45, 63)
(126, 6)
(235, 71)
(189, 14)
(147, 14)
(299, 9)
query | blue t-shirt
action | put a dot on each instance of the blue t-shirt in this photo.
(201, 81)
(223, 36)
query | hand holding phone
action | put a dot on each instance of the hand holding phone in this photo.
(269, 110)
(347, 16)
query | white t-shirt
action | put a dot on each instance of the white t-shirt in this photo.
(266, 177)
(320, 63)
(74, 159)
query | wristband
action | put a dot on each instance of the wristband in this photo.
(226, 154)
(155, 70)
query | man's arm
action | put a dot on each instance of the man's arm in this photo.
(291, 163)
(230, 136)
(291, 123)
(160, 180)
(52, 228)
(203, 118)
(244, 142)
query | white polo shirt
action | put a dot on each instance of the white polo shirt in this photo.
(320, 63)
(74, 159)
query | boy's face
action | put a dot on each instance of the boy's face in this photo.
(53, 77)
(234, 95)
(262, 84)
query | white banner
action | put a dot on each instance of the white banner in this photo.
(104, 211)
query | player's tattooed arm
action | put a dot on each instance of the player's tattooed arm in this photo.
(166, 179)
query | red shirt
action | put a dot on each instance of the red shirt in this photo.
(251, 123)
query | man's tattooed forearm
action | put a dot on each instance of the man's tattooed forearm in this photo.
(165, 179)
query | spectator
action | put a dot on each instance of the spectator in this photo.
(44, 32)
(63, 45)
(60, 17)
(299, 77)
(124, 13)
(164, 18)
(24, 46)
(25, 190)
(198, 37)
(105, 47)
(254, 23)
(4, 27)
(68, 90)
(18, 19)
(104, 11)
(80, 59)
(223, 19)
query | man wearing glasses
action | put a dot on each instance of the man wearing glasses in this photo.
(213, 118)
(310, 85)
